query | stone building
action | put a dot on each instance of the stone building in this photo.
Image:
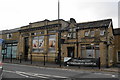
(117, 45)
(66, 38)
(11, 39)
(89, 40)
(40, 39)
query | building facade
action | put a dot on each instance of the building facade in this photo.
(11, 39)
(89, 40)
(56, 38)
(117, 45)
(40, 39)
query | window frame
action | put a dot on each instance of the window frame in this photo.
(102, 32)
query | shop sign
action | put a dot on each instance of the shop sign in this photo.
(83, 62)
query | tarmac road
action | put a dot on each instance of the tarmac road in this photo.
(13, 71)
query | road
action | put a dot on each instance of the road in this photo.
(26, 71)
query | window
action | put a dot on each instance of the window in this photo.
(102, 32)
(71, 35)
(37, 33)
(74, 29)
(51, 31)
(86, 33)
(9, 36)
(74, 35)
(33, 33)
(52, 43)
(70, 30)
(97, 54)
(92, 33)
(90, 51)
(38, 44)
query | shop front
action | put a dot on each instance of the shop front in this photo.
(10, 49)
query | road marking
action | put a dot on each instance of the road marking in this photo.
(31, 75)
(22, 74)
(106, 74)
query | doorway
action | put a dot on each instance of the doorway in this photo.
(71, 52)
(26, 48)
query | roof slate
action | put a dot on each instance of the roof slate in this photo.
(94, 24)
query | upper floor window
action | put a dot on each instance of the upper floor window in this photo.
(86, 33)
(37, 33)
(92, 33)
(102, 32)
(52, 31)
(9, 36)
(72, 33)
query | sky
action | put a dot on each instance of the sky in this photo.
(18, 13)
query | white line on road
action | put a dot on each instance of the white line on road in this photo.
(105, 74)
(28, 74)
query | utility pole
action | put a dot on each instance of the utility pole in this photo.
(59, 35)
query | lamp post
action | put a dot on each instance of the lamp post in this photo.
(59, 47)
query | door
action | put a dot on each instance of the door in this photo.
(71, 52)
(26, 48)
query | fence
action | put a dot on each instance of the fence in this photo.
(44, 62)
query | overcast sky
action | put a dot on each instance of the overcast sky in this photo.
(17, 13)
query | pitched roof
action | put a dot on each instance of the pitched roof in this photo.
(117, 31)
(91, 24)
(94, 24)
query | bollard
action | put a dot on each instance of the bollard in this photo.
(31, 58)
(20, 58)
(11, 58)
(99, 63)
(44, 60)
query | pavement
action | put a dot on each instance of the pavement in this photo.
(54, 65)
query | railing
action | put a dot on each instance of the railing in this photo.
(45, 61)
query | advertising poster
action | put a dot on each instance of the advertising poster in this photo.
(35, 42)
(41, 43)
(52, 42)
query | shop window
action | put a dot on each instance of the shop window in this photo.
(102, 32)
(38, 44)
(97, 55)
(90, 51)
(9, 36)
(52, 43)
